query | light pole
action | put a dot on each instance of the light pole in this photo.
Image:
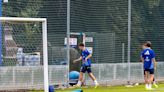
(129, 38)
(68, 36)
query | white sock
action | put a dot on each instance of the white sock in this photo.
(147, 85)
(150, 85)
(95, 81)
(79, 83)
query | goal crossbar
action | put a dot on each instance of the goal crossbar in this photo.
(23, 19)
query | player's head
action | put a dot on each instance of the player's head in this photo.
(147, 44)
(81, 46)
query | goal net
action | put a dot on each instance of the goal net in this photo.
(23, 49)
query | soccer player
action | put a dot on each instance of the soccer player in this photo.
(86, 65)
(149, 64)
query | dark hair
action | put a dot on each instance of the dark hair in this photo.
(81, 44)
(147, 43)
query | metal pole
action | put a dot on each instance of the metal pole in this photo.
(68, 35)
(129, 37)
(123, 52)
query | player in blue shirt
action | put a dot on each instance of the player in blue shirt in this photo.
(149, 64)
(86, 65)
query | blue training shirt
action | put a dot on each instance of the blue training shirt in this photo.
(148, 54)
(84, 54)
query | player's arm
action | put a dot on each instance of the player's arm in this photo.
(89, 56)
(155, 63)
(154, 60)
(77, 59)
(141, 57)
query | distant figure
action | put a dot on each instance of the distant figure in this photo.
(86, 65)
(20, 57)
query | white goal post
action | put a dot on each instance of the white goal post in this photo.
(44, 37)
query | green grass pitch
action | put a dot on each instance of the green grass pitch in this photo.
(140, 88)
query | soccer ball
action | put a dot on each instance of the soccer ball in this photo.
(74, 75)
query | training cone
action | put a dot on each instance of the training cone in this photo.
(78, 90)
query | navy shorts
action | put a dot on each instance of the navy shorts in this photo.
(151, 71)
(85, 68)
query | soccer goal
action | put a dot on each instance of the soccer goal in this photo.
(23, 49)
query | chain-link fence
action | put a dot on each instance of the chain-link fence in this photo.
(147, 25)
(105, 21)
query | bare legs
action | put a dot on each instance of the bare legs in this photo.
(90, 75)
(148, 80)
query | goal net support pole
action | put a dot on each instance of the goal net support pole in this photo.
(44, 36)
